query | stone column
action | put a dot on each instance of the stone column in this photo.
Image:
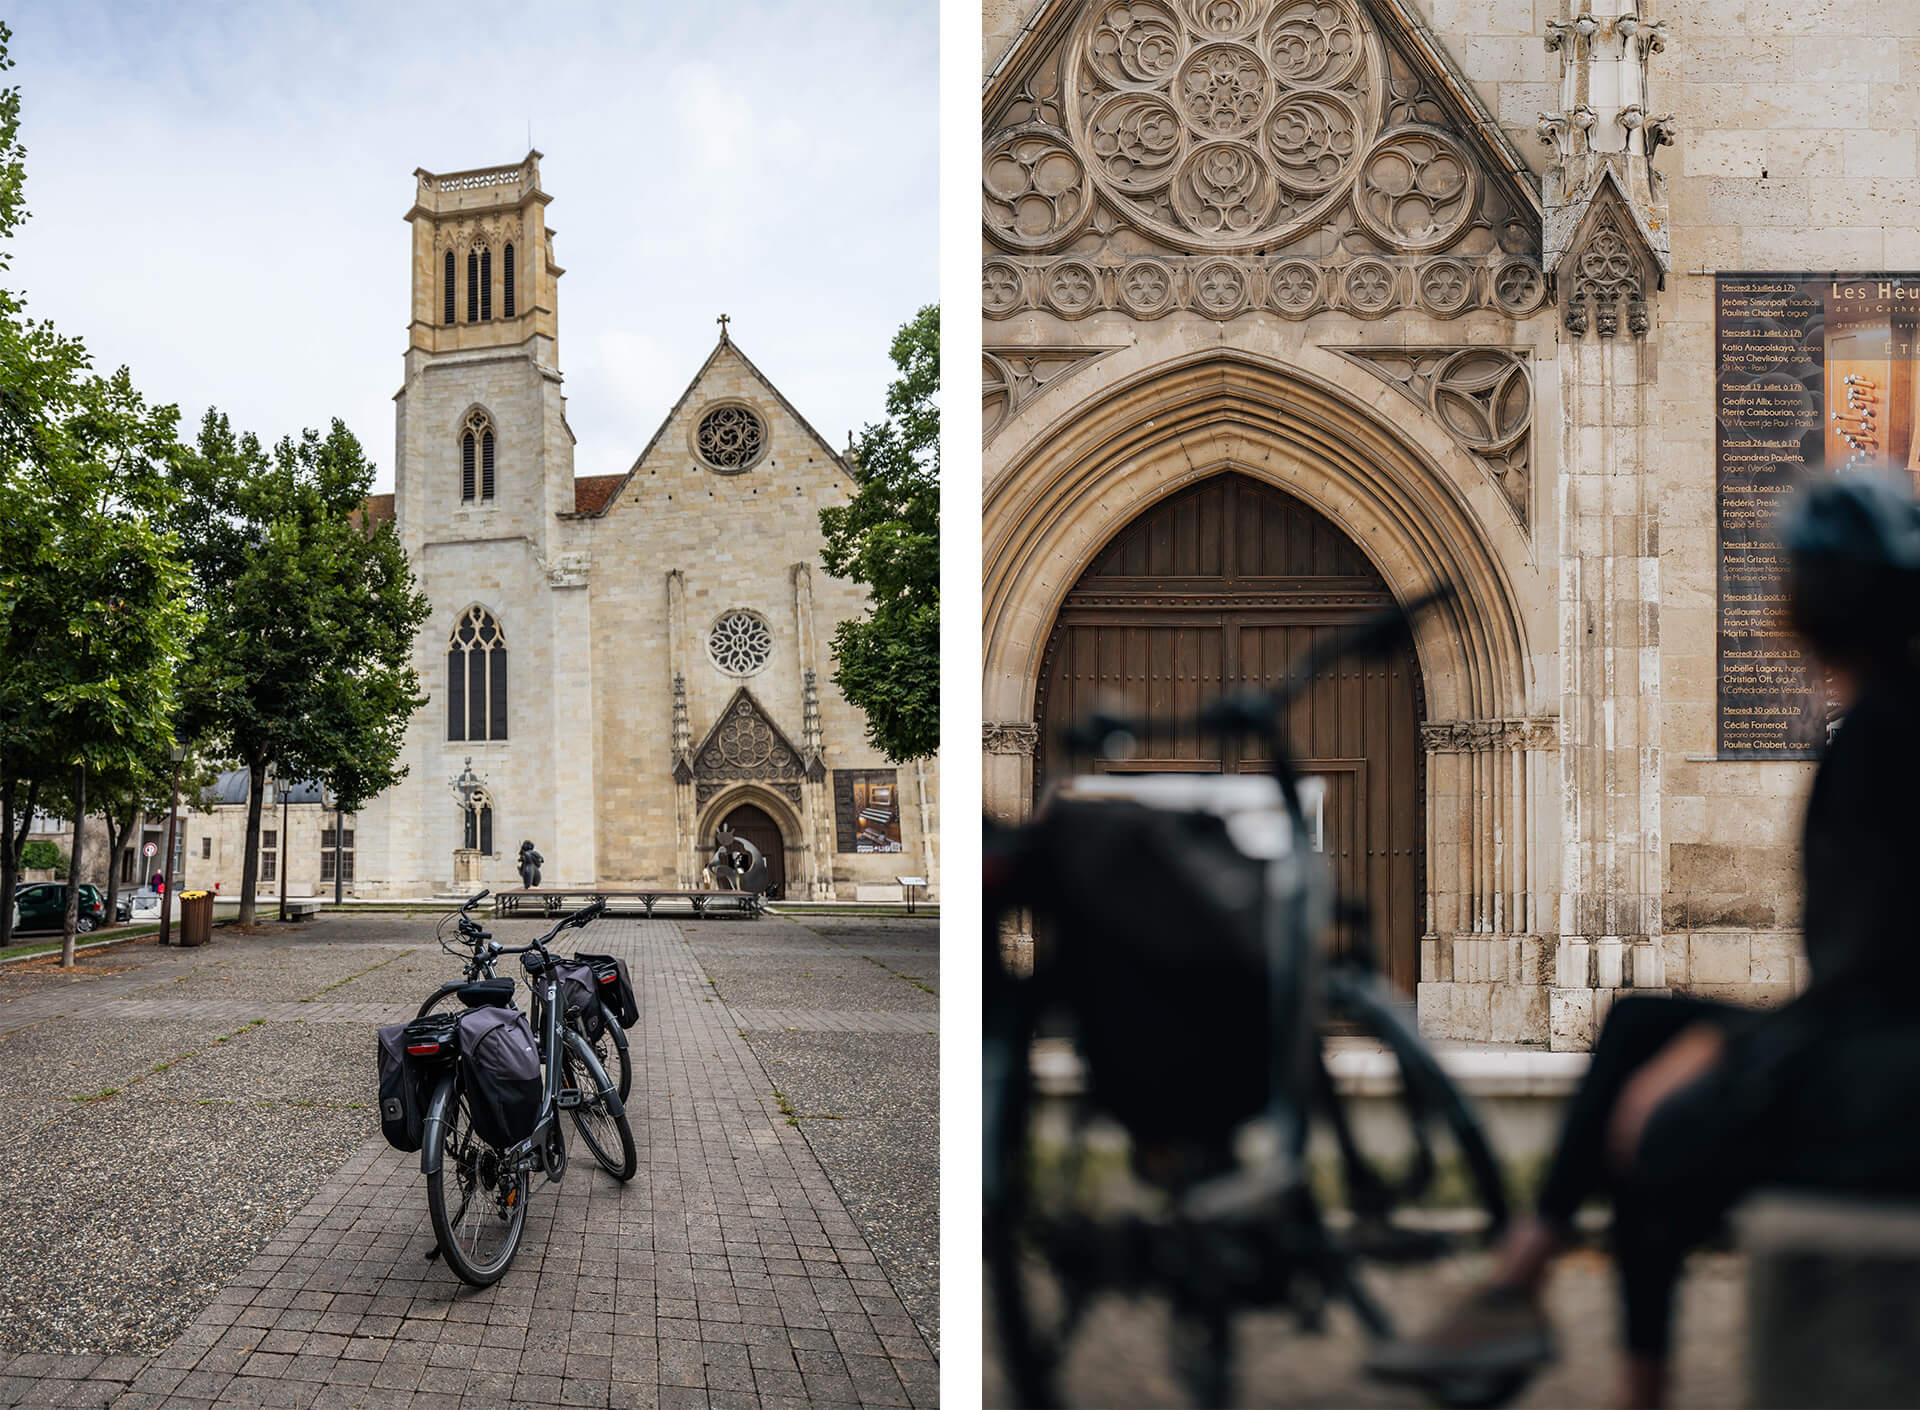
(1605, 247)
(816, 802)
(1481, 959)
(1007, 782)
(685, 808)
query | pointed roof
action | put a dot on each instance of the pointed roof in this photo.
(724, 345)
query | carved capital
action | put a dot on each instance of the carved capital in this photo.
(1485, 736)
(1017, 737)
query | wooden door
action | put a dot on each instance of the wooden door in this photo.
(753, 824)
(1221, 585)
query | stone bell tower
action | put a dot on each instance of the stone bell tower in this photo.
(484, 503)
(483, 359)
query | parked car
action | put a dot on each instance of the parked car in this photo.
(43, 906)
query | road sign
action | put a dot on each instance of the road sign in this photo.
(150, 849)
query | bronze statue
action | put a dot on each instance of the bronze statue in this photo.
(530, 863)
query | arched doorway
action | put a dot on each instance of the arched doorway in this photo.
(1221, 584)
(755, 826)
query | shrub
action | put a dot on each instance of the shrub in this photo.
(39, 855)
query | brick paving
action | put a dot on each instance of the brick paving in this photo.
(727, 1273)
(833, 1021)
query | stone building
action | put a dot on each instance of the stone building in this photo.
(617, 665)
(1295, 307)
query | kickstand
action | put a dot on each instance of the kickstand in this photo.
(433, 1253)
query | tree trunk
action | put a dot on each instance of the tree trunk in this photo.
(250, 872)
(117, 840)
(71, 922)
(11, 845)
(8, 871)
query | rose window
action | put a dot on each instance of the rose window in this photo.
(730, 438)
(740, 643)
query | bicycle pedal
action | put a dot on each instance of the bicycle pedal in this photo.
(569, 1098)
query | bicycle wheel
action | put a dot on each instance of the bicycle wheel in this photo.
(446, 1001)
(609, 1137)
(610, 1049)
(478, 1205)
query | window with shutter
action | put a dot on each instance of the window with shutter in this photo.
(449, 299)
(507, 276)
(473, 286)
(486, 286)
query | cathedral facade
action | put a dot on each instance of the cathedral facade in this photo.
(1296, 308)
(617, 666)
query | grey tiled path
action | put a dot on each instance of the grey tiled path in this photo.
(727, 1273)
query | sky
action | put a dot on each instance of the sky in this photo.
(217, 191)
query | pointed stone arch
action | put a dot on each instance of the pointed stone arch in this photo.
(1054, 509)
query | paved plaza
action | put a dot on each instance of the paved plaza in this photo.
(210, 1216)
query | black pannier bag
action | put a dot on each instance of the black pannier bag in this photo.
(580, 989)
(1155, 921)
(616, 988)
(412, 1057)
(500, 1074)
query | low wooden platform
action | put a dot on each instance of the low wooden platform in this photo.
(554, 901)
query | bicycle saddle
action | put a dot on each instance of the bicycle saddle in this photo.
(486, 993)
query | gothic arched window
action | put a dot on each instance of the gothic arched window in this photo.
(479, 830)
(477, 678)
(476, 458)
(449, 286)
(486, 286)
(473, 286)
(507, 275)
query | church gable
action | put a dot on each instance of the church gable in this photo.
(731, 435)
(745, 746)
(1222, 156)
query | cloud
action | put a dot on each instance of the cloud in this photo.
(217, 192)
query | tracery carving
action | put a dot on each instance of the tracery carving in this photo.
(1149, 286)
(1012, 737)
(1483, 396)
(740, 643)
(1606, 272)
(731, 437)
(1036, 195)
(1222, 124)
(1012, 377)
(1154, 138)
(745, 745)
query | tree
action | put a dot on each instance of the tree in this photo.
(92, 620)
(887, 537)
(306, 663)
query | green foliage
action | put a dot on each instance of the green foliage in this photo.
(39, 855)
(888, 538)
(306, 662)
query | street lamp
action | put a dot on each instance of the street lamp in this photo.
(286, 797)
(170, 882)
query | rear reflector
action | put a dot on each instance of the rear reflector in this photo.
(422, 1049)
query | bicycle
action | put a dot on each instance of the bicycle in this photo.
(479, 1216)
(603, 1034)
(1216, 1114)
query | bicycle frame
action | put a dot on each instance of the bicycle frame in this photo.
(528, 1154)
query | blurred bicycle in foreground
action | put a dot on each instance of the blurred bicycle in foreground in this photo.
(1186, 918)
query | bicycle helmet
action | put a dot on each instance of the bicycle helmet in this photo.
(1853, 561)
